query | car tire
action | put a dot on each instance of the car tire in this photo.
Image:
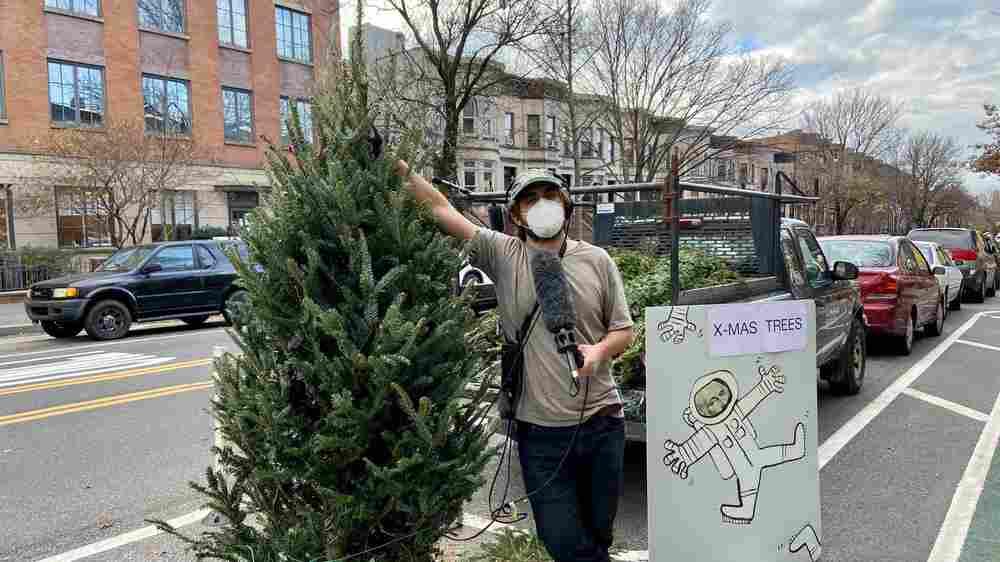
(850, 372)
(195, 320)
(956, 303)
(61, 330)
(108, 320)
(235, 298)
(936, 327)
(471, 277)
(979, 295)
(905, 341)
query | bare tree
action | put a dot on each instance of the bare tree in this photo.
(455, 60)
(113, 177)
(855, 128)
(672, 80)
(933, 164)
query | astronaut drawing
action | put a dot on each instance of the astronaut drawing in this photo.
(723, 432)
(675, 328)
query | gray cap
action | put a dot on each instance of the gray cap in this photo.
(527, 179)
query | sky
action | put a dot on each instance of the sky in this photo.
(941, 58)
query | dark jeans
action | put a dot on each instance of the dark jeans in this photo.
(575, 512)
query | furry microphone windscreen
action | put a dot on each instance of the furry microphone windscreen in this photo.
(552, 291)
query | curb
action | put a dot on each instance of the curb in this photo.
(12, 297)
(19, 330)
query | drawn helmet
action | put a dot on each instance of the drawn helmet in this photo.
(713, 397)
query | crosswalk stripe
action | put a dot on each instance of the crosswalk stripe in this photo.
(61, 366)
(40, 359)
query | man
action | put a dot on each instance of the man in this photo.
(574, 508)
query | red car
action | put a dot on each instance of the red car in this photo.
(898, 287)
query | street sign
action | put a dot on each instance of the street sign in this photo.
(731, 427)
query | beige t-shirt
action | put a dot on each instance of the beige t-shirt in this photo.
(599, 296)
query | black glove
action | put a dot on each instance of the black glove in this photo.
(374, 144)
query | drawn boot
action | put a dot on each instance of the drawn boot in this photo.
(743, 512)
(797, 448)
(806, 538)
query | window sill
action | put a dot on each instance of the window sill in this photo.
(235, 48)
(295, 61)
(78, 127)
(76, 15)
(175, 35)
(240, 143)
(168, 136)
(3, 121)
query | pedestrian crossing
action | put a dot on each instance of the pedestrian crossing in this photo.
(16, 371)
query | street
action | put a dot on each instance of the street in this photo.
(98, 437)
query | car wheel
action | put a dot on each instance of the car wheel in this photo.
(61, 329)
(979, 295)
(233, 301)
(851, 363)
(195, 320)
(906, 340)
(937, 326)
(956, 303)
(108, 320)
(471, 278)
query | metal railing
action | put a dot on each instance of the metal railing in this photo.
(20, 277)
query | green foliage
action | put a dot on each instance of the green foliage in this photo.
(53, 259)
(647, 283)
(512, 546)
(208, 232)
(344, 409)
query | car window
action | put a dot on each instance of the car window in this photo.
(927, 251)
(206, 258)
(126, 259)
(943, 258)
(921, 261)
(812, 258)
(948, 238)
(862, 253)
(791, 262)
(907, 261)
(175, 258)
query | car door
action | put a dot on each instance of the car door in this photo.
(930, 290)
(175, 289)
(909, 288)
(952, 273)
(212, 269)
(832, 298)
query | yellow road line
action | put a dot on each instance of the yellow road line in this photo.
(106, 377)
(43, 413)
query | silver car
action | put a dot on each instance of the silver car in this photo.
(951, 280)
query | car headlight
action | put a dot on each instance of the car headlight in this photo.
(67, 293)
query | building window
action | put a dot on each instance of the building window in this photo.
(80, 220)
(293, 34)
(3, 98)
(469, 179)
(167, 105)
(175, 216)
(85, 7)
(508, 129)
(232, 16)
(534, 131)
(587, 142)
(611, 150)
(162, 15)
(76, 94)
(237, 115)
(469, 118)
(509, 174)
(601, 133)
(304, 110)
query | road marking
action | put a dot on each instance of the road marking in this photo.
(979, 345)
(127, 340)
(108, 377)
(34, 415)
(948, 405)
(951, 537)
(850, 430)
(126, 538)
(21, 361)
(100, 362)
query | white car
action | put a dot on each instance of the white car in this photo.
(951, 281)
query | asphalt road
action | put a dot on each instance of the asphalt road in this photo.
(96, 438)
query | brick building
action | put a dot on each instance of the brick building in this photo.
(222, 72)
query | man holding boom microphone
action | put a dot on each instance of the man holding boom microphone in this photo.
(568, 411)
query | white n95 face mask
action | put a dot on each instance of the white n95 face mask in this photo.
(545, 218)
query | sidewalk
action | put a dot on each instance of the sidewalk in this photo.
(983, 541)
(14, 321)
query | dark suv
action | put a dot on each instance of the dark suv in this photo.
(189, 281)
(972, 253)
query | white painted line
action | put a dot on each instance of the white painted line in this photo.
(632, 556)
(8, 326)
(850, 430)
(951, 537)
(948, 405)
(124, 539)
(35, 360)
(979, 345)
(140, 364)
(128, 340)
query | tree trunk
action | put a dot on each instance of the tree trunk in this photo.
(445, 165)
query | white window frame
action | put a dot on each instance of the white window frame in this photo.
(551, 129)
(508, 128)
(228, 18)
(78, 121)
(164, 110)
(76, 6)
(238, 112)
(293, 39)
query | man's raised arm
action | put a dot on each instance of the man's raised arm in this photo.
(447, 216)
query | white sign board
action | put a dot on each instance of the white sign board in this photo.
(605, 208)
(732, 473)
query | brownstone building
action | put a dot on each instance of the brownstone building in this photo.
(222, 72)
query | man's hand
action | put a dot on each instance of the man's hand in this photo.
(672, 459)
(402, 169)
(592, 354)
(772, 379)
(450, 220)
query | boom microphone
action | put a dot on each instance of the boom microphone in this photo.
(558, 308)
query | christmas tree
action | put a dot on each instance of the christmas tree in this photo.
(344, 410)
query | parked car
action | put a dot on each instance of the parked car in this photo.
(968, 250)
(189, 281)
(484, 297)
(899, 290)
(951, 280)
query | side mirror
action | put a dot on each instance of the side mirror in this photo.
(151, 268)
(938, 270)
(845, 271)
